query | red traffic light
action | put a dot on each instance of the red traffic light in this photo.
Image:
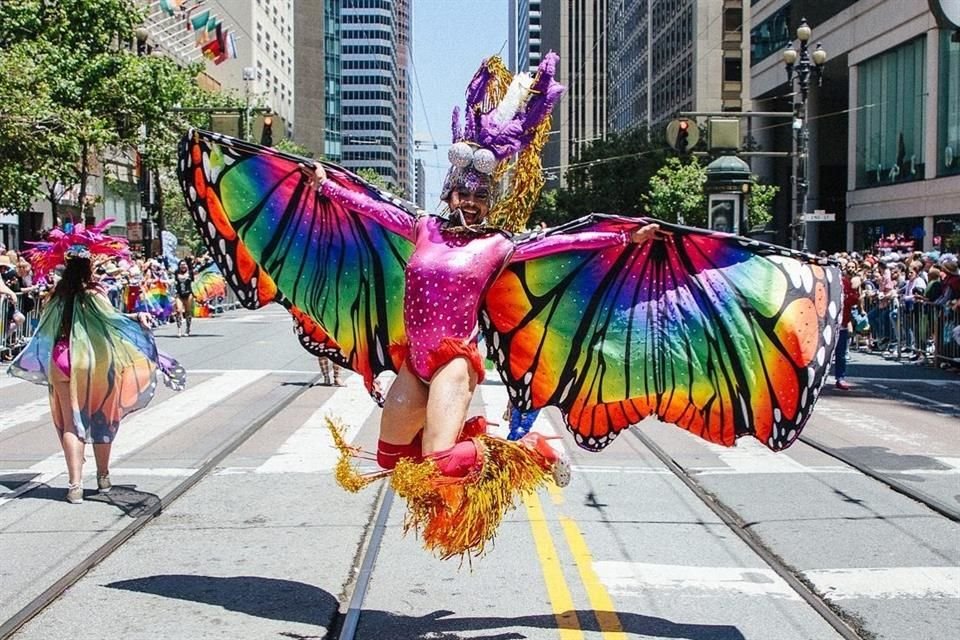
(682, 134)
(267, 121)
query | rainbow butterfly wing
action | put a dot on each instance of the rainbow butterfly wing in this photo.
(276, 240)
(113, 366)
(113, 363)
(719, 335)
(209, 285)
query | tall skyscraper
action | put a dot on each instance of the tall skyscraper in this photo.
(525, 38)
(405, 165)
(421, 187)
(377, 115)
(332, 85)
(317, 77)
(576, 30)
(668, 56)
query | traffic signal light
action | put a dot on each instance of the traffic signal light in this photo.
(266, 134)
(683, 136)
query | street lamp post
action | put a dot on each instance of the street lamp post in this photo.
(802, 66)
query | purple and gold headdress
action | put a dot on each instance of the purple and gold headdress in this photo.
(506, 116)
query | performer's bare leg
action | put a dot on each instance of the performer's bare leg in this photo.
(451, 390)
(405, 408)
(101, 453)
(73, 454)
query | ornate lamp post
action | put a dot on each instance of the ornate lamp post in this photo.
(802, 66)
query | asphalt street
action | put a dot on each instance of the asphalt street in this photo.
(265, 545)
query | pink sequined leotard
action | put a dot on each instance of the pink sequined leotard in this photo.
(448, 273)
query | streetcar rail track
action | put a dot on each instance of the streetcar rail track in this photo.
(54, 591)
(902, 488)
(344, 626)
(841, 621)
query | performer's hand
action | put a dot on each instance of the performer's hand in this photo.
(319, 175)
(644, 233)
(145, 319)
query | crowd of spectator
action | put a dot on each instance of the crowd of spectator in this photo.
(21, 294)
(906, 302)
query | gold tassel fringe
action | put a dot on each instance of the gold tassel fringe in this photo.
(525, 176)
(458, 516)
(347, 475)
(526, 182)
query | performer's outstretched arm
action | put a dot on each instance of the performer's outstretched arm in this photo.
(394, 219)
(580, 241)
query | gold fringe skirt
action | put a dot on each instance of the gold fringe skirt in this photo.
(454, 516)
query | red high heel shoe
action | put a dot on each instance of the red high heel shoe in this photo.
(555, 461)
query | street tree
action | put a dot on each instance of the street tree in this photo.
(611, 175)
(760, 204)
(94, 96)
(676, 193)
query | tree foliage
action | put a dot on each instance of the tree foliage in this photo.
(611, 175)
(73, 91)
(760, 203)
(290, 146)
(676, 193)
(374, 178)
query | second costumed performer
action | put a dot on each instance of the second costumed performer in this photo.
(608, 318)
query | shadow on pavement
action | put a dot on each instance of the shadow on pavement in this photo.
(14, 481)
(131, 502)
(291, 601)
(891, 369)
(269, 598)
(884, 459)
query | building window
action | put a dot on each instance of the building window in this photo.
(732, 19)
(732, 70)
(948, 133)
(770, 36)
(890, 120)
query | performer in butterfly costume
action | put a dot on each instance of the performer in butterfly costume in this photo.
(98, 364)
(720, 335)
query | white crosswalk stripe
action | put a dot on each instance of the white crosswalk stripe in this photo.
(9, 381)
(152, 422)
(639, 578)
(29, 412)
(310, 449)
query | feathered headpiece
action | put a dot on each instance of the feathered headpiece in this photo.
(76, 242)
(505, 116)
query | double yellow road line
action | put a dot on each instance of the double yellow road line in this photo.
(557, 588)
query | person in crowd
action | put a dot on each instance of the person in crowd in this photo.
(97, 362)
(326, 367)
(951, 279)
(183, 289)
(7, 292)
(934, 285)
(851, 296)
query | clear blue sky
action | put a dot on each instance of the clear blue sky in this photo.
(450, 39)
